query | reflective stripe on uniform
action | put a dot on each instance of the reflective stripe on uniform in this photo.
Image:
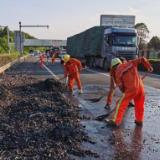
(117, 108)
(126, 69)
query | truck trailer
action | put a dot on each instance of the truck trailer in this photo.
(100, 44)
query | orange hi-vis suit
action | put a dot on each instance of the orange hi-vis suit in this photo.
(42, 60)
(132, 88)
(53, 59)
(110, 95)
(71, 67)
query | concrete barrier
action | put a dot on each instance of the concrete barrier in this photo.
(10, 64)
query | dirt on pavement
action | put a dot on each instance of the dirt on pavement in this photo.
(37, 121)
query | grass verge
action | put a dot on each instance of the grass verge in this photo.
(5, 58)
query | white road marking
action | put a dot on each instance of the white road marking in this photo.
(50, 72)
(98, 72)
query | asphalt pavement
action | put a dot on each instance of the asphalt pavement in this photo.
(126, 142)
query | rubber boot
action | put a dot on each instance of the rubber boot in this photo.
(107, 106)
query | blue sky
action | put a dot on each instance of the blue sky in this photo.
(69, 17)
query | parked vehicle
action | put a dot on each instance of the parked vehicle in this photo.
(100, 44)
(36, 51)
(62, 54)
(56, 49)
(31, 53)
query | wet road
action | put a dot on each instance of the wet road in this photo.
(126, 142)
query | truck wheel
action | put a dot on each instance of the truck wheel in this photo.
(94, 63)
(105, 65)
(91, 62)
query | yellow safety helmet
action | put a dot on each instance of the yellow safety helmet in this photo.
(66, 58)
(115, 61)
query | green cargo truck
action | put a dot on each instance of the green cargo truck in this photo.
(99, 45)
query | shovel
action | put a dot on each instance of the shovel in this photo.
(98, 99)
(36, 62)
(100, 118)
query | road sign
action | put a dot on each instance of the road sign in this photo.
(23, 38)
(17, 40)
(125, 21)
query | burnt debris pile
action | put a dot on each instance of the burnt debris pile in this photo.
(37, 121)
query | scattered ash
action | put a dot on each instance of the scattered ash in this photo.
(37, 121)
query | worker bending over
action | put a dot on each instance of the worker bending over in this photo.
(113, 84)
(53, 59)
(42, 60)
(131, 85)
(71, 69)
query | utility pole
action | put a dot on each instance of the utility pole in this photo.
(20, 39)
(28, 26)
(8, 40)
(8, 37)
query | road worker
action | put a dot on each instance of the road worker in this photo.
(48, 55)
(131, 85)
(42, 60)
(112, 85)
(53, 59)
(70, 68)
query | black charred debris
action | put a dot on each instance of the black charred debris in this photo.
(37, 122)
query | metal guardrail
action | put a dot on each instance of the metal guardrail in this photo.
(8, 65)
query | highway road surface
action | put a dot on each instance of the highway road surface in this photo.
(126, 142)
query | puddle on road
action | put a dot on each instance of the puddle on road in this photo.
(128, 141)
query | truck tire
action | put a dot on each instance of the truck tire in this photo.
(91, 62)
(94, 63)
(106, 65)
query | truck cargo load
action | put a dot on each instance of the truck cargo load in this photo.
(86, 43)
(100, 44)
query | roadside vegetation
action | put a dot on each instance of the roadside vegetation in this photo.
(154, 60)
(4, 57)
(4, 42)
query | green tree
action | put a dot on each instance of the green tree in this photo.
(4, 44)
(143, 33)
(142, 30)
(154, 43)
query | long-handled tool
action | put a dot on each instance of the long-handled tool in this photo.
(100, 118)
(36, 61)
(98, 99)
(71, 74)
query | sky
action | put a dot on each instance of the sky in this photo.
(68, 17)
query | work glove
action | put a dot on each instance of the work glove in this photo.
(66, 80)
(150, 69)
